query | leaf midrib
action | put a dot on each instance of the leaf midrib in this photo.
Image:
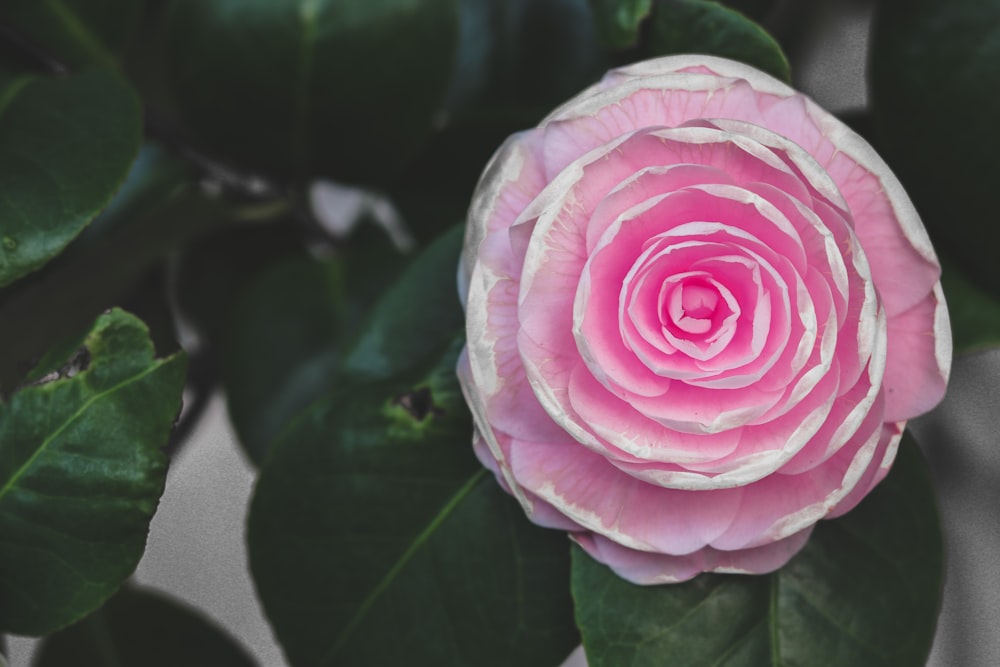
(400, 563)
(79, 412)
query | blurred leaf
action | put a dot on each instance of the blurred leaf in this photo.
(81, 473)
(703, 26)
(69, 293)
(155, 176)
(283, 347)
(377, 539)
(214, 271)
(520, 58)
(288, 330)
(343, 88)
(65, 148)
(758, 10)
(80, 33)
(975, 315)
(414, 316)
(865, 590)
(618, 20)
(935, 105)
(142, 628)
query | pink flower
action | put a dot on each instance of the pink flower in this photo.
(700, 311)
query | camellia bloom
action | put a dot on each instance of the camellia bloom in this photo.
(700, 311)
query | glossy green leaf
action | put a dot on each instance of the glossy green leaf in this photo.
(703, 26)
(283, 348)
(289, 329)
(865, 590)
(65, 148)
(618, 21)
(975, 315)
(933, 69)
(418, 312)
(80, 33)
(376, 538)
(81, 472)
(142, 627)
(67, 294)
(343, 88)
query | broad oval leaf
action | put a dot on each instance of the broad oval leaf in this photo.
(377, 539)
(81, 473)
(142, 627)
(704, 26)
(865, 590)
(418, 312)
(935, 105)
(65, 148)
(283, 348)
(289, 328)
(618, 21)
(80, 33)
(343, 88)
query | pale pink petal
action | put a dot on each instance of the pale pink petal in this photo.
(919, 358)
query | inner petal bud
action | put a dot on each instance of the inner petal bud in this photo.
(691, 306)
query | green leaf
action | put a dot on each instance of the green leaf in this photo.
(618, 20)
(865, 590)
(289, 329)
(935, 110)
(215, 270)
(520, 58)
(81, 473)
(343, 88)
(377, 539)
(283, 348)
(65, 148)
(142, 627)
(80, 33)
(413, 317)
(703, 26)
(975, 315)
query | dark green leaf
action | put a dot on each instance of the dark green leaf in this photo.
(81, 473)
(344, 88)
(65, 148)
(758, 10)
(703, 26)
(72, 290)
(618, 20)
(80, 33)
(377, 539)
(932, 72)
(214, 271)
(414, 316)
(283, 348)
(288, 329)
(156, 175)
(975, 315)
(141, 628)
(520, 58)
(865, 590)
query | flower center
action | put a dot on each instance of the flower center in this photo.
(691, 306)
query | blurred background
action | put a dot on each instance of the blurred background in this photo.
(196, 550)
